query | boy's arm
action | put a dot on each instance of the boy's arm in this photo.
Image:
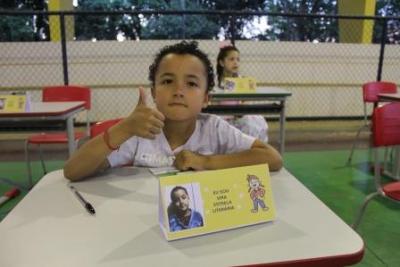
(144, 121)
(92, 156)
(258, 153)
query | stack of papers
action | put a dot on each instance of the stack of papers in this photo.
(160, 171)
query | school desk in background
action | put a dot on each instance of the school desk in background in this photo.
(264, 101)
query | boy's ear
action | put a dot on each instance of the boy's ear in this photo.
(221, 63)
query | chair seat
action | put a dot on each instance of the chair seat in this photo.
(52, 138)
(392, 190)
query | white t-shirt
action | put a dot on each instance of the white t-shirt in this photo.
(212, 136)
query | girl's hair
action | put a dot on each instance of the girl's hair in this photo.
(223, 53)
(176, 188)
(183, 48)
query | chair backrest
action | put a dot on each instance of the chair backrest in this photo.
(386, 125)
(372, 89)
(67, 93)
(101, 126)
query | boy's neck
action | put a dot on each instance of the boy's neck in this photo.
(178, 133)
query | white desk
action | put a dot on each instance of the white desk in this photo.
(50, 228)
(50, 111)
(276, 96)
(389, 97)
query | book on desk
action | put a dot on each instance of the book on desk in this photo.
(240, 84)
(198, 203)
(15, 102)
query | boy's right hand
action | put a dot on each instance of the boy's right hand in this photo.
(144, 121)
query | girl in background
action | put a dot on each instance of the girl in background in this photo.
(228, 63)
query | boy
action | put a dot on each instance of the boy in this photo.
(173, 133)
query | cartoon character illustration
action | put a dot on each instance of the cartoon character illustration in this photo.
(257, 193)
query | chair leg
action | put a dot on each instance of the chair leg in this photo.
(362, 209)
(354, 144)
(41, 160)
(28, 164)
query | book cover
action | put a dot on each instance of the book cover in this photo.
(240, 85)
(12, 103)
(197, 203)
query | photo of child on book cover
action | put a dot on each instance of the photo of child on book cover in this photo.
(185, 210)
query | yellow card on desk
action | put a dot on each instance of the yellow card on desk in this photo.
(12, 103)
(197, 203)
(240, 85)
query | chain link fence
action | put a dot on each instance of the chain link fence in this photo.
(322, 60)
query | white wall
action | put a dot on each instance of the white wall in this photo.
(324, 78)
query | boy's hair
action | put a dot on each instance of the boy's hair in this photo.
(176, 188)
(183, 48)
(223, 53)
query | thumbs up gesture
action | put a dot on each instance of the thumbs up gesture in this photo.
(145, 120)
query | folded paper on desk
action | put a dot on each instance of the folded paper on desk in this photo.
(12, 103)
(197, 203)
(161, 171)
(240, 85)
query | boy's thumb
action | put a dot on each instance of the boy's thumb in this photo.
(142, 96)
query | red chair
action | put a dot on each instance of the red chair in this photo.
(101, 126)
(55, 94)
(386, 132)
(370, 95)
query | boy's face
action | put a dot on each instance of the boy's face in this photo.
(231, 63)
(181, 200)
(180, 87)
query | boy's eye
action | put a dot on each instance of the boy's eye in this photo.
(192, 84)
(166, 81)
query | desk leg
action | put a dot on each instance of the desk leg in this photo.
(396, 163)
(392, 166)
(282, 122)
(70, 134)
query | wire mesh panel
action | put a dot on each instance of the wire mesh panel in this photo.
(322, 60)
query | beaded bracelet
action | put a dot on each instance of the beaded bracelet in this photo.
(106, 137)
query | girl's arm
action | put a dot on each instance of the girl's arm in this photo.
(258, 153)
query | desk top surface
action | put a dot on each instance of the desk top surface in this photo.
(260, 92)
(49, 227)
(46, 109)
(395, 97)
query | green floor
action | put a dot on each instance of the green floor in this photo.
(341, 188)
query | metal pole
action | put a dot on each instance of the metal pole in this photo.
(382, 51)
(232, 28)
(183, 6)
(64, 48)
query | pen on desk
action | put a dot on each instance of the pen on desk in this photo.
(86, 204)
